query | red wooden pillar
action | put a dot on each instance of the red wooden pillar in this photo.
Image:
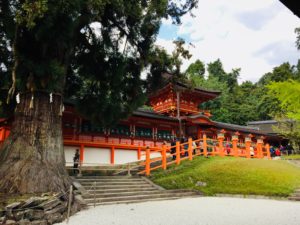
(268, 151)
(112, 155)
(248, 145)
(139, 153)
(204, 145)
(221, 148)
(234, 145)
(259, 148)
(147, 163)
(190, 148)
(81, 154)
(177, 152)
(164, 157)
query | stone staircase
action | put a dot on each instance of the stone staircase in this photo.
(105, 190)
(295, 196)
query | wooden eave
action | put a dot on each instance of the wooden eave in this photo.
(197, 92)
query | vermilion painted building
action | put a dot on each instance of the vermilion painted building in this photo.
(174, 111)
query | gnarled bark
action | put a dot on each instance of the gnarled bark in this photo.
(32, 158)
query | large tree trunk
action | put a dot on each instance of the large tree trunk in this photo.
(32, 158)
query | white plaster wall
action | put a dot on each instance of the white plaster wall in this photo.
(125, 156)
(152, 155)
(96, 156)
(69, 154)
(100, 156)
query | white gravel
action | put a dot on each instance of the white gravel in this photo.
(194, 211)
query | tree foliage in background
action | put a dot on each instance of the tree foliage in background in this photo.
(240, 103)
(297, 31)
(288, 94)
(196, 69)
(166, 67)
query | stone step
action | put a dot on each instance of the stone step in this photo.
(127, 186)
(106, 177)
(134, 192)
(86, 183)
(121, 190)
(141, 200)
(140, 197)
(294, 198)
(119, 194)
(109, 180)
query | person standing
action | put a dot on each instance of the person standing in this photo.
(290, 149)
(76, 162)
(194, 146)
(186, 146)
(173, 148)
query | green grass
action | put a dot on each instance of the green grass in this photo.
(297, 157)
(230, 175)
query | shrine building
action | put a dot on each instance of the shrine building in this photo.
(174, 111)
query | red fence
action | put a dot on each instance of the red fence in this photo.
(205, 147)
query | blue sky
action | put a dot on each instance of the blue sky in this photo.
(253, 35)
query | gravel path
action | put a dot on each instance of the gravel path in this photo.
(194, 211)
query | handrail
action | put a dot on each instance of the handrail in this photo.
(205, 146)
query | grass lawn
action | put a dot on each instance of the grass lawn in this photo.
(230, 175)
(296, 156)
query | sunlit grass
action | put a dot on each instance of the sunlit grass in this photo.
(297, 156)
(232, 176)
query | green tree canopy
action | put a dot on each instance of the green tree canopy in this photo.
(240, 103)
(92, 50)
(279, 73)
(196, 69)
(297, 31)
(288, 93)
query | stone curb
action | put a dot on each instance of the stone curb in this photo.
(252, 197)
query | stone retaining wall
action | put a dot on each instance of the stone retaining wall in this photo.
(44, 210)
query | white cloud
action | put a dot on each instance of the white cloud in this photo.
(223, 29)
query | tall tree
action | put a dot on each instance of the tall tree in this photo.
(297, 31)
(215, 69)
(44, 43)
(196, 69)
(288, 95)
(279, 73)
(160, 62)
(179, 53)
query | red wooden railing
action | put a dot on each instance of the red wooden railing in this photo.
(205, 147)
(182, 151)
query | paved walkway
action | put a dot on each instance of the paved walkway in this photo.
(194, 211)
